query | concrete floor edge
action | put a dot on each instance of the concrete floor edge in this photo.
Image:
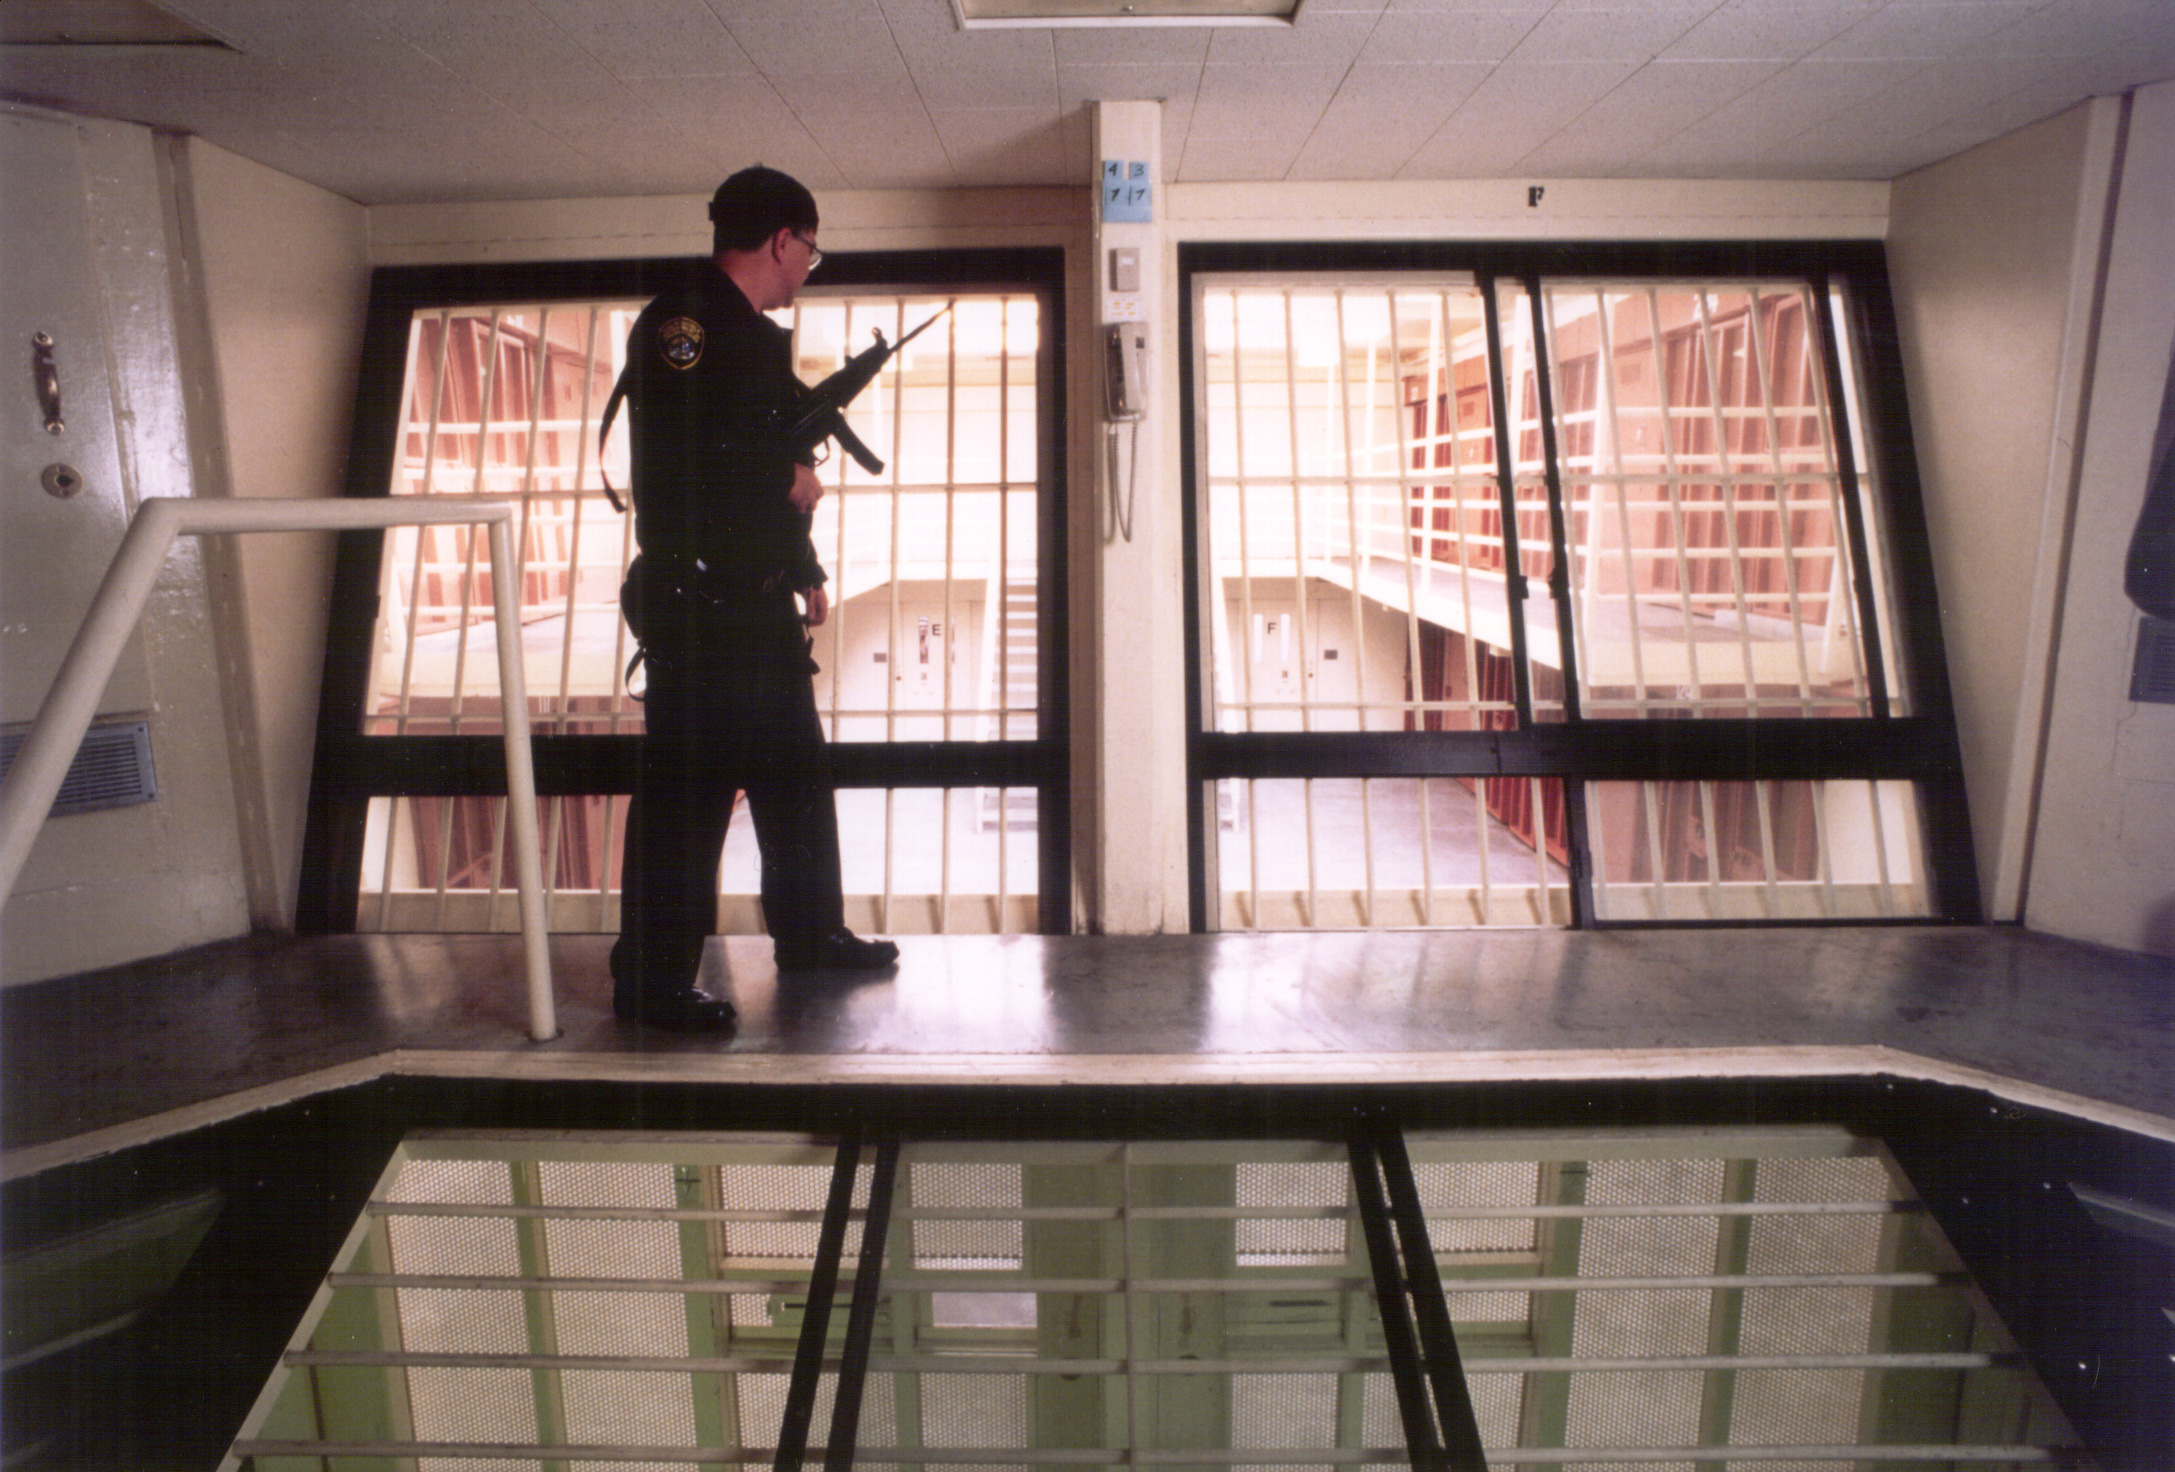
(1155, 1070)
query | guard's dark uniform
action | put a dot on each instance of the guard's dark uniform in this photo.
(711, 597)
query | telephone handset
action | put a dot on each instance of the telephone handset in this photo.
(1125, 371)
(1125, 395)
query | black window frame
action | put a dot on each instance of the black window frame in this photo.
(1921, 748)
(349, 768)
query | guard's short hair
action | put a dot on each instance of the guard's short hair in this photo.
(754, 205)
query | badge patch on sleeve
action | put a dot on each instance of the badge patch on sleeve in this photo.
(681, 341)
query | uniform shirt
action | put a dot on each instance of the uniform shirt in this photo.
(704, 369)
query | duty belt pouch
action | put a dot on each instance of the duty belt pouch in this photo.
(684, 617)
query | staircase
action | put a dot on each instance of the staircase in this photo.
(1010, 664)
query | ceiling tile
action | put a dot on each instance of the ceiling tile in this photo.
(1531, 10)
(1266, 103)
(1653, 105)
(1381, 116)
(259, 27)
(910, 161)
(639, 97)
(1124, 83)
(2070, 27)
(812, 36)
(1000, 146)
(1517, 109)
(1807, 158)
(496, 45)
(2019, 109)
(863, 95)
(926, 35)
(959, 88)
(596, 112)
(1755, 30)
(404, 165)
(1219, 160)
(1934, 95)
(660, 38)
(878, 139)
(742, 122)
(1780, 109)
(1326, 39)
(1924, 32)
(1615, 34)
(1403, 38)
(1139, 46)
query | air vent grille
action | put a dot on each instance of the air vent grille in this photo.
(112, 768)
(2152, 678)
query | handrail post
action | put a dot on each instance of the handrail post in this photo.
(521, 781)
(34, 780)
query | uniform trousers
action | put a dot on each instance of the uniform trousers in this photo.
(712, 731)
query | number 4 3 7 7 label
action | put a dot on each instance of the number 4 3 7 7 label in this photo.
(1126, 191)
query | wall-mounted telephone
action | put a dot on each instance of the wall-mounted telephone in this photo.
(1125, 370)
(1125, 393)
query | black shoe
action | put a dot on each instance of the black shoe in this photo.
(841, 950)
(689, 1009)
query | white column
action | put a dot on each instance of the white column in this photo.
(1139, 771)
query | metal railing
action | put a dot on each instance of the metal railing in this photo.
(27, 792)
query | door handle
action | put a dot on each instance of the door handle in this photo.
(45, 375)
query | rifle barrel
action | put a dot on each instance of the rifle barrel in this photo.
(924, 327)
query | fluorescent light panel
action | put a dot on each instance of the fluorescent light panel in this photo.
(992, 14)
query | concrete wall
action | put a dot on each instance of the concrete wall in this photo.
(283, 281)
(1995, 257)
(2037, 304)
(2102, 864)
(233, 302)
(112, 886)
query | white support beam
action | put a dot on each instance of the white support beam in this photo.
(1139, 886)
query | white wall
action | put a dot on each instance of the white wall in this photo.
(106, 887)
(233, 298)
(1995, 256)
(2102, 864)
(285, 280)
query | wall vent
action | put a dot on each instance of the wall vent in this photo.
(2152, 678)
(112, 768)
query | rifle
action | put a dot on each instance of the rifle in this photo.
(818, 415)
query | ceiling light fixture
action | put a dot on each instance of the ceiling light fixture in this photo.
(993, 14)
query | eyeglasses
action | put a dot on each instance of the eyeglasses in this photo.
(815, 252)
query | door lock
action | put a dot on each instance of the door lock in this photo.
(45, 374)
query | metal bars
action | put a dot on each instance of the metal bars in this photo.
(935, 634)
(1145, 1303)
(1704, 476)
(1674, 451)
(1432, 1397)
(1359, 532)
(861, 1317)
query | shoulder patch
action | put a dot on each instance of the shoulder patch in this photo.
(680, 339)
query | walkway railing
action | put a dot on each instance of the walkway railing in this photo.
(28, 790)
